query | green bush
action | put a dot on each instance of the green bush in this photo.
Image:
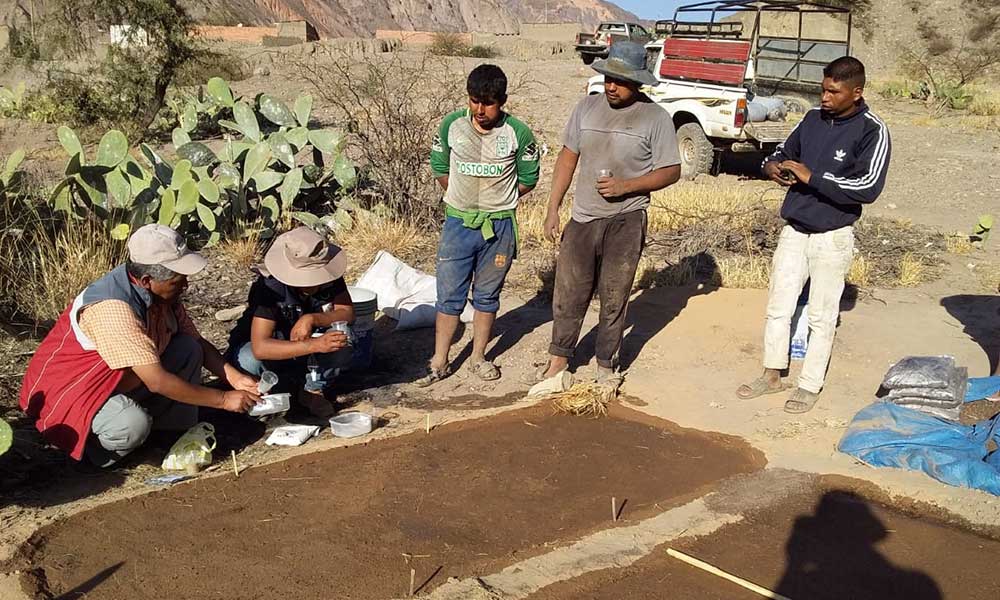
(449, 44)
(480, 51)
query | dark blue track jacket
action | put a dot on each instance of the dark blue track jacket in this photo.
(848, 157)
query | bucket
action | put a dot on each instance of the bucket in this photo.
(365, 306)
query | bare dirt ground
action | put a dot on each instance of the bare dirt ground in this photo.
(686, 350)
(827, 541)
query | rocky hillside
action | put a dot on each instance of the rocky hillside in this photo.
(363, 17)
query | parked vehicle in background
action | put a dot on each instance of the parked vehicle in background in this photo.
(592, 46)
(742, 83)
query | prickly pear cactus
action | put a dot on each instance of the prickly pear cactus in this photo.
(6, 436)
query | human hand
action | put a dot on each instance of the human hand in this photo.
(239, 400)
(302, 329)
(801, 172)
(611, 187)
(551, 226)
(241, 381)
(330, 341)
(772, 170)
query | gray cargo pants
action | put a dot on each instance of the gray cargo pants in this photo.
(601, 255)
(126, 419)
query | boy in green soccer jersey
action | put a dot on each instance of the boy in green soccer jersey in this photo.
(485, 160)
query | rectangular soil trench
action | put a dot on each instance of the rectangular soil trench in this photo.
(830, 541)
(467, 499)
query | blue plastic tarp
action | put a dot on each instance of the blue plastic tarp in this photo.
(982, 387)
(887, 435)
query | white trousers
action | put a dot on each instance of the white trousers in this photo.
(823, 259)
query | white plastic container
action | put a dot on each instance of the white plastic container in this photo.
(271, 404)
(351, 424)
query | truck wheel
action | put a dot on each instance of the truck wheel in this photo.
(588, 59)
(697, 153)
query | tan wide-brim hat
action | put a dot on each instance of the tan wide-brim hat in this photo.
(303, 258)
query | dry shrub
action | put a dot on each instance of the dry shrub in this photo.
(449, 44)
(61, 263)
(391, 106)
(912, 270)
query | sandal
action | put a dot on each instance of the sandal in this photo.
(433, 376)
(485, 370)
(611, 380)
(800, 402)
(759, 387)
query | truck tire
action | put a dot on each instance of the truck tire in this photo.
(697, 153)
(588, 59)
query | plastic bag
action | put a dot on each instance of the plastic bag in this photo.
(953, 395)
(292, 435)
(404, 293)
(920, 372)
(193, 451)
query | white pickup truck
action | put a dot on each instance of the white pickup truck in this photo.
(718, 100)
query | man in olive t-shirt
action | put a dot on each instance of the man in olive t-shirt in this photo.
(624, 147)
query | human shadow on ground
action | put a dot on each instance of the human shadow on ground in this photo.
(655, 307)
(832, 554)
(980, 317)
(82, 590)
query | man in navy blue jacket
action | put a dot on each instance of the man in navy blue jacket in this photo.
(833, 163)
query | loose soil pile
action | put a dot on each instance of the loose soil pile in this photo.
(467, 499)
(828, 542)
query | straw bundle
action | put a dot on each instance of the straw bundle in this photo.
(585, 399)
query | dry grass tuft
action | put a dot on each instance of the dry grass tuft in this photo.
(986, 103)
(959, 244)
(585, 400)
(246, 250)
(912, 271)
(926, 121)
(860, 273)
(531, 220)
(744, 272)
(63, 264)
(404, 239)
(689, 203)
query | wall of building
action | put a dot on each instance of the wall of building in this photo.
(251, 35)
(416, 37)
(551, 32)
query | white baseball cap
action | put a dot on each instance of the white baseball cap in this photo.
(156, 244)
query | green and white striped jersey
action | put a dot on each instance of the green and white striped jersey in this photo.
(484, 169)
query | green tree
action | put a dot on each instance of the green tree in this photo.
(138, 71)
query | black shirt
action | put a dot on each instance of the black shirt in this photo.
(272, 300)
(848, 157)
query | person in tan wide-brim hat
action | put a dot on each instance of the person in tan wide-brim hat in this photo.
(301, 292)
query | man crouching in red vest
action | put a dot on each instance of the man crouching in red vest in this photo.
(125, 358)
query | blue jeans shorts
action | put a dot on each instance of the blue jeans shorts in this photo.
(466, 260)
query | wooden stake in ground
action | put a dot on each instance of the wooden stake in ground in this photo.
(236, 467)
(614, 510)
(413, 575)
(428, 425)
(704, 566)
